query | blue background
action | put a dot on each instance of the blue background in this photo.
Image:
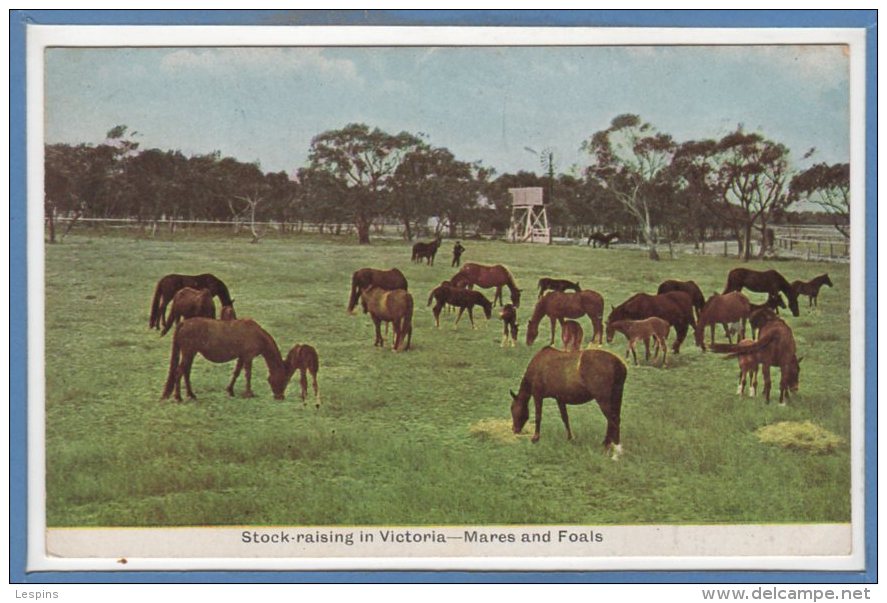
(674, 18)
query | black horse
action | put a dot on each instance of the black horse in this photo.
(557, 284)
(604, 239)
(426, 251)
(169, 285)
(766, 281)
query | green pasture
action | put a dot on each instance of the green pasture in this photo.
(400, 437)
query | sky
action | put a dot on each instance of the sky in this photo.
(501, 106)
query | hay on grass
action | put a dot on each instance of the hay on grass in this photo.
(497, 430)
(795, 435)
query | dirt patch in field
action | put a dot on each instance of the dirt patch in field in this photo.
(495, 430)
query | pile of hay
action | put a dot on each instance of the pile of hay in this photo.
(805, 436)
(497, 430)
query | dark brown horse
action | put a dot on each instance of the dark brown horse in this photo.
(489, 276)
(572, 378)
(303, 357)
(508, 314)
(675, 307)
(775, 346)
(383, 279)
(426, 251)
(188, 303)
(395, 307)
(688, 287)
(602, 239)
(722, 309)
(223, 341)
(557, 284)
(766, 281)
(811, 288)
(167, 286)
(464, 299)
(559, 306)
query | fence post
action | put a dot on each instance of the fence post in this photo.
(725, 248)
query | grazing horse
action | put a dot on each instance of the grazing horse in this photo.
(767, 281)
(560, 306)
(464, 299)
(572, 336)
(508, 314)
(223, 341)
(811, 288)
(572, 378)
(775, 346)
(688, 287)
(489, 276)
(426, 251)
(167, 286)
(722, 309)
(654, 328)
(383, 279)
(604, 240)
(557, 284)
(395, 307)
(675, 307)
(303, 357)
(188, 303)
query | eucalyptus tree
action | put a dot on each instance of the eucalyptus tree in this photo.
(828, 186)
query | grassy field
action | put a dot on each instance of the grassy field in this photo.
(393, 441)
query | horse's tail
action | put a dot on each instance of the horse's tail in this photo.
(173, 366)
(170, 320)
(154, 320)
(431, 295)
(222, 292)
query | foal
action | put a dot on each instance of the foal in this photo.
(508, 314)
(304, 358)
(748, 370)
(811, 288)
(635, 330)
(572, 335)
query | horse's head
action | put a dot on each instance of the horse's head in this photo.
(774, 300)
(791, 374)
(532, 332)
(826, 280)
(793, 304)
(278, 380)
(699, 335)
(488, 310)
(611, 331)
(520, 411)
(515, 297)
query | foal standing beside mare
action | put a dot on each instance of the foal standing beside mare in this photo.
(188, 303)
(559, 306)
(168, 286)
(811, 288)
(654, 328)
(675, 307)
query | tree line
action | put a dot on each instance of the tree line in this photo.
(639, 182)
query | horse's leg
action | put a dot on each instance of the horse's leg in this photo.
(248, 375)
(740, 389)
(660, 344)
(680, 333)
(537, 403)
(303, 382)
(379, 341)
(498, 295)
(316, 390)
(647, 349)
(230, 388)
(765, 369)
(612, 408)
(185, 368)
(562, 406)
(753, 390)
(471, 316)
(598, 330)
(634, 354)
(552, 319)
(458, 317)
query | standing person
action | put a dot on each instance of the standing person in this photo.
(457, 253)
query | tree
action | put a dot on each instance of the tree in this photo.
(829, 187)
(364, 162)
(692, 176)
(628, 160)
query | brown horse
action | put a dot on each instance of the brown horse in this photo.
(811, 288)
(383, 279)
(559, 306)
(464, 299)
(722, 309)
(758, 318)
(748, 370)
(223, 341)
(395, 307)
(557, 284)
(426, 251)
(775, 346)
(508, 314)
(572, 336)
(602, 239)
(303, 357)
(688, 287)
(168, 285)
(572, 378)
(188, 303)
(675, 307)
(227, 313)
(654, 328)
(766, 281)
(489, 276)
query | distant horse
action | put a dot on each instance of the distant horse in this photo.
(489, 276)
(227, 313)
(572, 336)
(188, 303)
(811, 288)
(775, 346)
(383, 279)
(675, 307)
(722, 309)
(168, 285)
(508, 314)
(426, 251)
(572, 378)
(604, 240)
(557, 284)
(688, 287)
(559, 306)
(464, 299)
(654, 328)
(303, 357)
(395, 307)
(223, 341)
(767, 281)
